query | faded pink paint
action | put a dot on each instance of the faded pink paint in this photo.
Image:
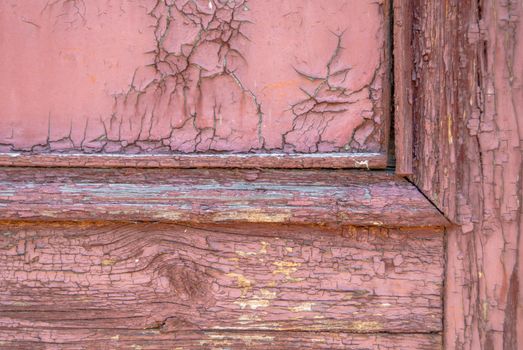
(117, 76)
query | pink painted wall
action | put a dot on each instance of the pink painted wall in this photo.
(192, 76)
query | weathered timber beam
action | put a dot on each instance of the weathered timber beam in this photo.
(214, 196)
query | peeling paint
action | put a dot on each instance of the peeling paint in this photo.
(366, 326)
(254, 216)
(252, 304)
(108, 262)
(303, 307)
(243, 283)
(193, 77)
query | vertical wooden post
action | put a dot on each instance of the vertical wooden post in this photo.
(402, 51)
(468, 113)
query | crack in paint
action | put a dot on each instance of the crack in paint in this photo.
(190, 98)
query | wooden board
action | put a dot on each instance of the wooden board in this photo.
(468, 160)
(96, 279)
(155, 340)
(198, 76)
(365, 161)
(217, 195)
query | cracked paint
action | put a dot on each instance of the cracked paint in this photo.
(172, 279)
(193, 76)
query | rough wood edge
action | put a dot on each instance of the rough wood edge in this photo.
(387, 98)
(402, 52)
(468, 161)
(215, 196)
(155, 339)
(242, 160)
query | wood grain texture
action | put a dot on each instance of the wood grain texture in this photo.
(403, 132)
(246, 160)
(64, 279)
(468, 113)
(206, 340)
(219, 195)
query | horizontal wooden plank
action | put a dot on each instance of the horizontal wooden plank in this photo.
(214, 195)
(220, 278)
(157, 340)
(213, 160)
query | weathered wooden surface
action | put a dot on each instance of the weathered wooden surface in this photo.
(197, 76)
(93, 280)
(214, 195)
(469, 130)
(155, 340)
(247, 160)
(403, 91)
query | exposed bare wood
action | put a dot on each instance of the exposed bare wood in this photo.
(214, 195)
(403, 133)
(468, 105)
(129, 277)
(218, 160)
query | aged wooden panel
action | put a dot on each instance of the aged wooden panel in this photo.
(206, 340)
(176, 278)
(197, 76)
(469, 132)
(214, 195)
